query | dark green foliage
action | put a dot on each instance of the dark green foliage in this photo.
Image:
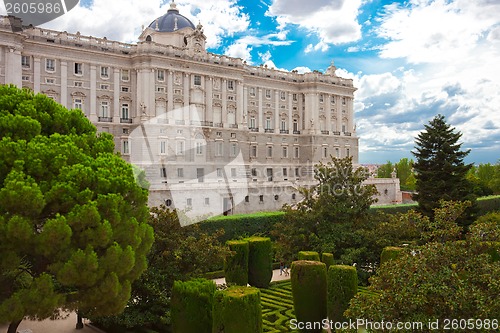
(342, 287)
(488, 204)
(237, 310)
(277, 306)
(73, 231)
(191, 307)
(440, 168)
(260, 259)
(390, 253)
(244, 225)
(327, 259)
(309, 288)
(236, 263)
(308, 255)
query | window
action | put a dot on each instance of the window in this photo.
(163, 172)
(78, 84)
(261, 198)
(189, 202)
(125, 147)
(168, 202)
(254, 172)
(295, 126)
(180, 148)
(347, 151)
(268, 123)
(233, 172)
(160, 89)
(124, 130)
(219, 148)
(321, 98)
(325, 152)
(125, 75)
(297, 172)
(230, 85)
(163, 147)
(233, 135)
(343, 128)
(332, 99)
(252, 91)
(283, 125)
(50, 65)
(78, 68)
(104, 109)
(234, 149)
(268, 93)
(199, 148)
(285, 152)
(296, 152)
(337, 153)
(77, 103)
(180, 173)
(219, 173)
(282, 95)
(125, 89)
(218, 134)
(200, 174)
(25, 77)
(285, 172)
(197, 80)
(207, 201)
(343, 100)
(269, 172)
(253, 151)
(252, 123)
(247, 198)
(104, 86)
(294, 97)
(125, 109)
(104, 72)
(294, 196)
(160, 75)
(25, 61)
(269, 151)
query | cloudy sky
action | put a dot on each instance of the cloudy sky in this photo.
(409, 59)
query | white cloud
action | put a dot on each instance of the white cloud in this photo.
(265, 56)
(302, 69)
(122, 19)
(239, 50)
(334, 22)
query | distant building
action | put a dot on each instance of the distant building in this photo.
(213, 133)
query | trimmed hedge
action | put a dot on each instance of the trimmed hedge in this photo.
(389, 253)
(191, 306)
(342, 286)
(260, 259)
(243, 225)
(327, 259)
(237, 310)
(309, 289)
(308, 255)
(236, 264)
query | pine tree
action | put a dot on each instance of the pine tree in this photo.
(440, 168)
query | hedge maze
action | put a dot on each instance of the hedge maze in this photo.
(277, 307)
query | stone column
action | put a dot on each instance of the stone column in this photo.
(93, 93)
(170, 96)
(261, 112)
(116, 96)
(36, 74)
(224, 102)
(245, 107)
(186, 111)
(290, 114)
(328, 112)
(338, 100)
(13, 68)
(277, 111)
(239, 103)
(64, 84)
(209, 113)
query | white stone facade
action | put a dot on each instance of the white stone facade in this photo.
(213, 133)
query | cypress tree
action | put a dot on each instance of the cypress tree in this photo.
(440, 168)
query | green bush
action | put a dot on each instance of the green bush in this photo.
(342, 286)
(327, 259)
(389, 253)
(237, 310)
(309, 289)
(191, 306)
(236, 264)
(260, 259)
(244, 225)
(308, 255)
(488, 204)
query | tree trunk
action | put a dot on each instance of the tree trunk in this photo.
(79, 321)
(13, 326)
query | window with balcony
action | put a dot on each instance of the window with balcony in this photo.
(252, 123)
(233, 150)
(163, 147)
(125, 111)
(268, 123)
(78, 103)
(104, 72)
(284, 152)
(104, 111)
(296, 152)
(125, 147)
(180, 148)
(199, 148)
(253, 151)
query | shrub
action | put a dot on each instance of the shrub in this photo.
(191, 306)
(237, 310)
(488, 204)
(260, 271)
(308, 255)
(236, 264)
(309, 289)
(327, 259)
(342, 286)
(389, 253)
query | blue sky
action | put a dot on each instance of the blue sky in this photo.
(409, 59)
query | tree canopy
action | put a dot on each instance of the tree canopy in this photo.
(72, 218)
(440, 168)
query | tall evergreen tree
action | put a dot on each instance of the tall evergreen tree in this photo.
(440, 168)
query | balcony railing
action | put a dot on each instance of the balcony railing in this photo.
(283, 131)
(347, 133)
(221, 125)
(233, 125)
(207, 123)
(296, 132)
(336, 133)
(254, 129)
(325, 132)
(126, 120)
(269, 130)
(105, 119)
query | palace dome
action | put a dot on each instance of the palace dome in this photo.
(171, 21)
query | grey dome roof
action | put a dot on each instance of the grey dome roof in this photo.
(171, 21)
